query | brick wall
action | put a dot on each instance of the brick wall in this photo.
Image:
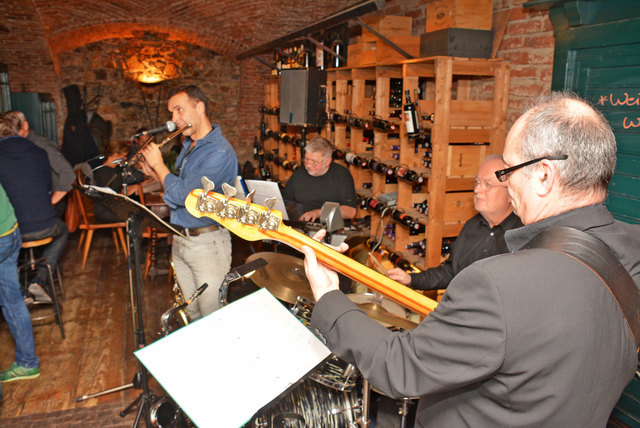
(528, 44)
(235, 87)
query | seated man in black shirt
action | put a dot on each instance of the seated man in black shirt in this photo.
(482, 235)
(320, 181)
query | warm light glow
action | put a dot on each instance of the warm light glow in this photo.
(149, 78)
(151, 59)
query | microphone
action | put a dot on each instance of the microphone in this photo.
(169, 126)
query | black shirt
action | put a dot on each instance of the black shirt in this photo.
(336, 185)
(476, 241)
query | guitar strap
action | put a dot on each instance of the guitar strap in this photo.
(597, 256)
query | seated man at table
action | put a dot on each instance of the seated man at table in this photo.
(481, 236)
(321, 180)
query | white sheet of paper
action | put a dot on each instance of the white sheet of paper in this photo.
(267, 189)
(226, 366)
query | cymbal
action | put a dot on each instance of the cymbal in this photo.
(283, 276)
(385, 311)
(355, 240)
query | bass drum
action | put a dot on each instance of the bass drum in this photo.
(311, 405)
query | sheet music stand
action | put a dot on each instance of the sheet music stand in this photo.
(137, 217)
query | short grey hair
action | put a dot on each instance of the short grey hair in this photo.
(562, 123)
(319, 144)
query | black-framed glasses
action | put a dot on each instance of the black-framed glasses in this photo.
(503, 174)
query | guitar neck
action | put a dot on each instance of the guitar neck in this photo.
(384, 285)
(214, 204)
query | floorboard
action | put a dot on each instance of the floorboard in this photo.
(97, 353)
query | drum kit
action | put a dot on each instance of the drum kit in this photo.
(334, 394)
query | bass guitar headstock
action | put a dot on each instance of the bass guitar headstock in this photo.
(244, 218)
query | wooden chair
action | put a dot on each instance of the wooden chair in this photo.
(89, 224)
(153, 235)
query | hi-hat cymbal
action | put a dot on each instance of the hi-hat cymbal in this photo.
(385, 311)
(283, 276)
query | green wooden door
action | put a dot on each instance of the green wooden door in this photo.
(597, 55)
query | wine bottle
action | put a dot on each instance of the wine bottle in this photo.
(337, 118)
(338, 154)
(382, 125)
(285, 138)
(410, 117)
(447, 246)
(338, 50)
(257, 148)
(352, 159)
(356, 122)
(399, 261)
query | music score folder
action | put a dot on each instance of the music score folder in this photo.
(225, 367)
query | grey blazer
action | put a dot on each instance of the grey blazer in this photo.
(530, 338)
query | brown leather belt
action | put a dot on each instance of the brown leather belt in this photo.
(195, 231)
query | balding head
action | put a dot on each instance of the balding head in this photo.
(574, 150)
(562, 123)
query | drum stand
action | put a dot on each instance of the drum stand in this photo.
(136, 215)
(366, 400)
(365, 421)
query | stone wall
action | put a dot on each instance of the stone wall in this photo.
(130, 105)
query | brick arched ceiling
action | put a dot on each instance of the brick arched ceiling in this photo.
(228, 27)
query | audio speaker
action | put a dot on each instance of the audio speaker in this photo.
(302, 97)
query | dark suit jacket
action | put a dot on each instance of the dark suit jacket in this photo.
(531, 338)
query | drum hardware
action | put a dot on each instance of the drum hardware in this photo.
(242, 271)
(311, 405)
(179, 307)
(333, 373)
(165, 413)
(385, 311)
(284, 276)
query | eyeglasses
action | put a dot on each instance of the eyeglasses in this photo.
(503, 174)
(312, 162)
(485, 184)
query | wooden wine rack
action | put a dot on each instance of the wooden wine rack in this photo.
(467, 100)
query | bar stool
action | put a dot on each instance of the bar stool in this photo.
(31, 263)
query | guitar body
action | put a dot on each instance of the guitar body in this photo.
(254, 222)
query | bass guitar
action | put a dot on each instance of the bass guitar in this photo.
(254, 222)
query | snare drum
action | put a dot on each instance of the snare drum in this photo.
(311, 405)
(334, 373)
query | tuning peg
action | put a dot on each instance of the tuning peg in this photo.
(207, 185)
(270, 202)
(250, 197)
(229, 191)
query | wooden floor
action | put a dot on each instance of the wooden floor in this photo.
(97, 353)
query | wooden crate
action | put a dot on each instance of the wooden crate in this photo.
(472, 14)
(464, 160)
(387, 25)
(385, 53)
(363, 53)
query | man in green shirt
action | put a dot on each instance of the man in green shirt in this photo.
(26, 364)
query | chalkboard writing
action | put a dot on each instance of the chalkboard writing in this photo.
(625, 100)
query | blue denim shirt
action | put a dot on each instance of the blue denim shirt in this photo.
(213, 157)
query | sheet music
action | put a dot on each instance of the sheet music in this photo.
(267, 189)
(228, 365)
(107, 192)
